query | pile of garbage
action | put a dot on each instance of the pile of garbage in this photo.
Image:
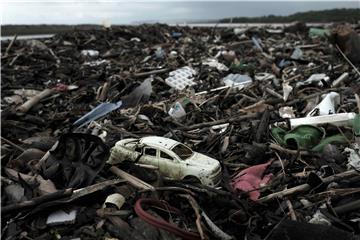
(159, 132)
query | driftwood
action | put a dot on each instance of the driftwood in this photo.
(306, 187)
(35, 100)
(134, 181)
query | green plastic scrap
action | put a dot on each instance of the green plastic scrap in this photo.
(336, 139)
(242, 66)
(305, 137)
(356, 125)
(318, 32)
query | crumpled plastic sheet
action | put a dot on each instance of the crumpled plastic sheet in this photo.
(75, 160)
(250, 179)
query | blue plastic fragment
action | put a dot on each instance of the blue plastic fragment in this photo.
(176, 34)
(96, 113)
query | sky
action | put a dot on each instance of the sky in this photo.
(127, 12)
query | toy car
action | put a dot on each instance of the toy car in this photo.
(173, 159)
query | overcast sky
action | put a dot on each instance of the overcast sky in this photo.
(96, 12)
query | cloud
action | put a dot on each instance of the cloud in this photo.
(124, 12)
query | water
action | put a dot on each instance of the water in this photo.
(246, 25)
(219, 25)
(4, 38)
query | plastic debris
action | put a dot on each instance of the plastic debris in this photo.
(181, 78)
(116, 199)
(177, 111)
(60, 217)
(98, 112)
(90, 53)
(251, 179)
(297, 53)
(327, 105)
(354, 156)
(75, 160)
(318, 33)
(229, 153)
(286, 112)
(339, 119)
(237, 81)
(215, 64)
(319, 79)
(256, 42)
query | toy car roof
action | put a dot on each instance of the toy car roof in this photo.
(162, 142)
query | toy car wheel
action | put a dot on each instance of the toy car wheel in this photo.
(192, 180)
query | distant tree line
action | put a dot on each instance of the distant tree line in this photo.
(351, 15)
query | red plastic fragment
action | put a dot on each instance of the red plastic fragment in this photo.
(250, 179)
(160, 223)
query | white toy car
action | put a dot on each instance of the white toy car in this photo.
(174, 159)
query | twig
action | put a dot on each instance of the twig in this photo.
(291, 210)
(288, 151)
(273, 93)
(196, 208)
(348, 60)
(305, 187)
(151, 72)
(226, 120)
(35, 100)
(351, 206)
(357, 101)
(134, 181)
(103, 92)
(13, 144)
(178, 189)
(215, 229)
(281, 162)
(36, 201)
(10, 45)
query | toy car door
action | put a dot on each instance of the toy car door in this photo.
(149, 156)
(169, 165)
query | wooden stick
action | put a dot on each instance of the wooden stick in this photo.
(348, 60)
(196, 208)
(357, 101)
(134, 181)
(291, 210)
(36, 201)
(35, 100)
(103, 92)
(10, 45)
(151, 72)
(304, 187)
(351, 206)
(288, 151)
(222, 121)
(13, 144)
(273, 93)
(215, 229)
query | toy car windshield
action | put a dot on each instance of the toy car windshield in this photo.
(182, 151)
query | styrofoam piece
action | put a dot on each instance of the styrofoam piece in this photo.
(315, 78)
(340, 79)
(215, 64)
(339, 119)
(117, 199)
(181, 78)
(287, 89)
(90, 53)
(177, 111)
(61, 217)
(286, 112)
(354, 157)
(327, 105)
(237, 80)
(297, 53)
(264, 76)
